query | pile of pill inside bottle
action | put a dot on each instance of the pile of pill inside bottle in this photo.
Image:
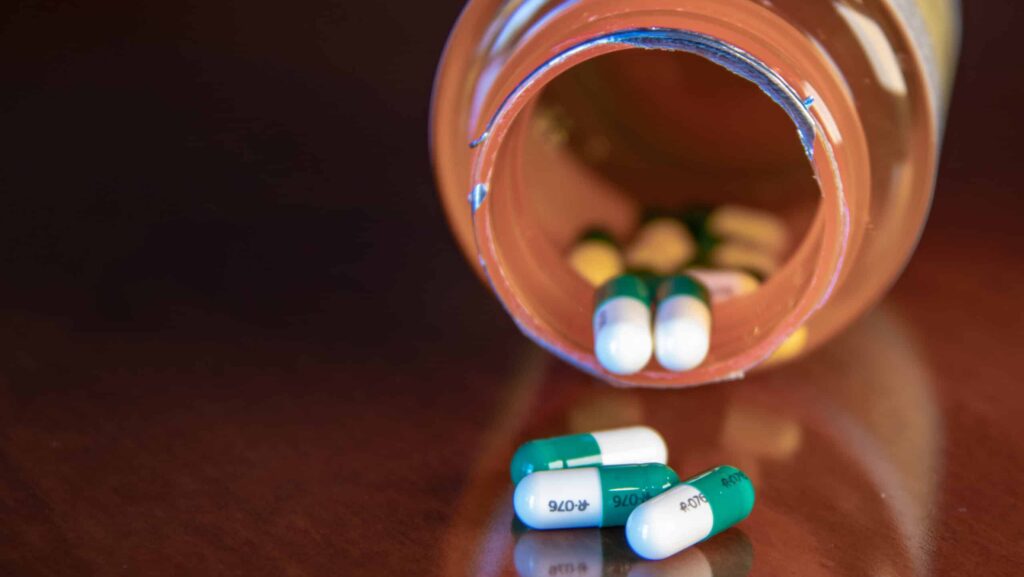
(619, 477)
(654, 294)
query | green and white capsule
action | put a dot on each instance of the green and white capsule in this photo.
(690, 512)
(622, 324)
(682, 325)
(623, 446)
(589, 496)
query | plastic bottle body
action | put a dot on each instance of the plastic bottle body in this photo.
(552, 117)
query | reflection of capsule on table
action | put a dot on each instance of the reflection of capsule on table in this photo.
(578, 552)
(753, 430)
(728, 555)
(605, 553)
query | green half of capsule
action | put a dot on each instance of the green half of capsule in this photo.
(729, 493)
(682, 285)
(650, 278)
(626, 487)
(566, 452)
(696, 219)
(626, 285)
(597, 235)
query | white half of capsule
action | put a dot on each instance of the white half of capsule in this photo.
(659, 528)
(723, 285)
(682, 332)
(630, 446)
(562, 499)
(622, 335)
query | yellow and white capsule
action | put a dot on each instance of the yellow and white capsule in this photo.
(661, 245)
(755, 227)
(734, 254)
(596, 257)
(682, 325)
(622, 325)
(725, 284)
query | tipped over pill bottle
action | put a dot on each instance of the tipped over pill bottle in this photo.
(550, 118)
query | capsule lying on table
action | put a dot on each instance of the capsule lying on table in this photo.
(589, 496)
(624, 446)
(695, 510)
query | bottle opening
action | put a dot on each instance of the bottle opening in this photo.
(621, 133)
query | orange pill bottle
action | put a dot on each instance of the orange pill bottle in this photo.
(552, 117)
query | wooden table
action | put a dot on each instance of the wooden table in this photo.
(238, 339)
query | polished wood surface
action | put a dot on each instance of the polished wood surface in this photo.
(237, 337)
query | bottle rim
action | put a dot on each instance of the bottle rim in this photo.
(808, 90)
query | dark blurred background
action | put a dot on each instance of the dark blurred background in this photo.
(223, 259)
(201, 166)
